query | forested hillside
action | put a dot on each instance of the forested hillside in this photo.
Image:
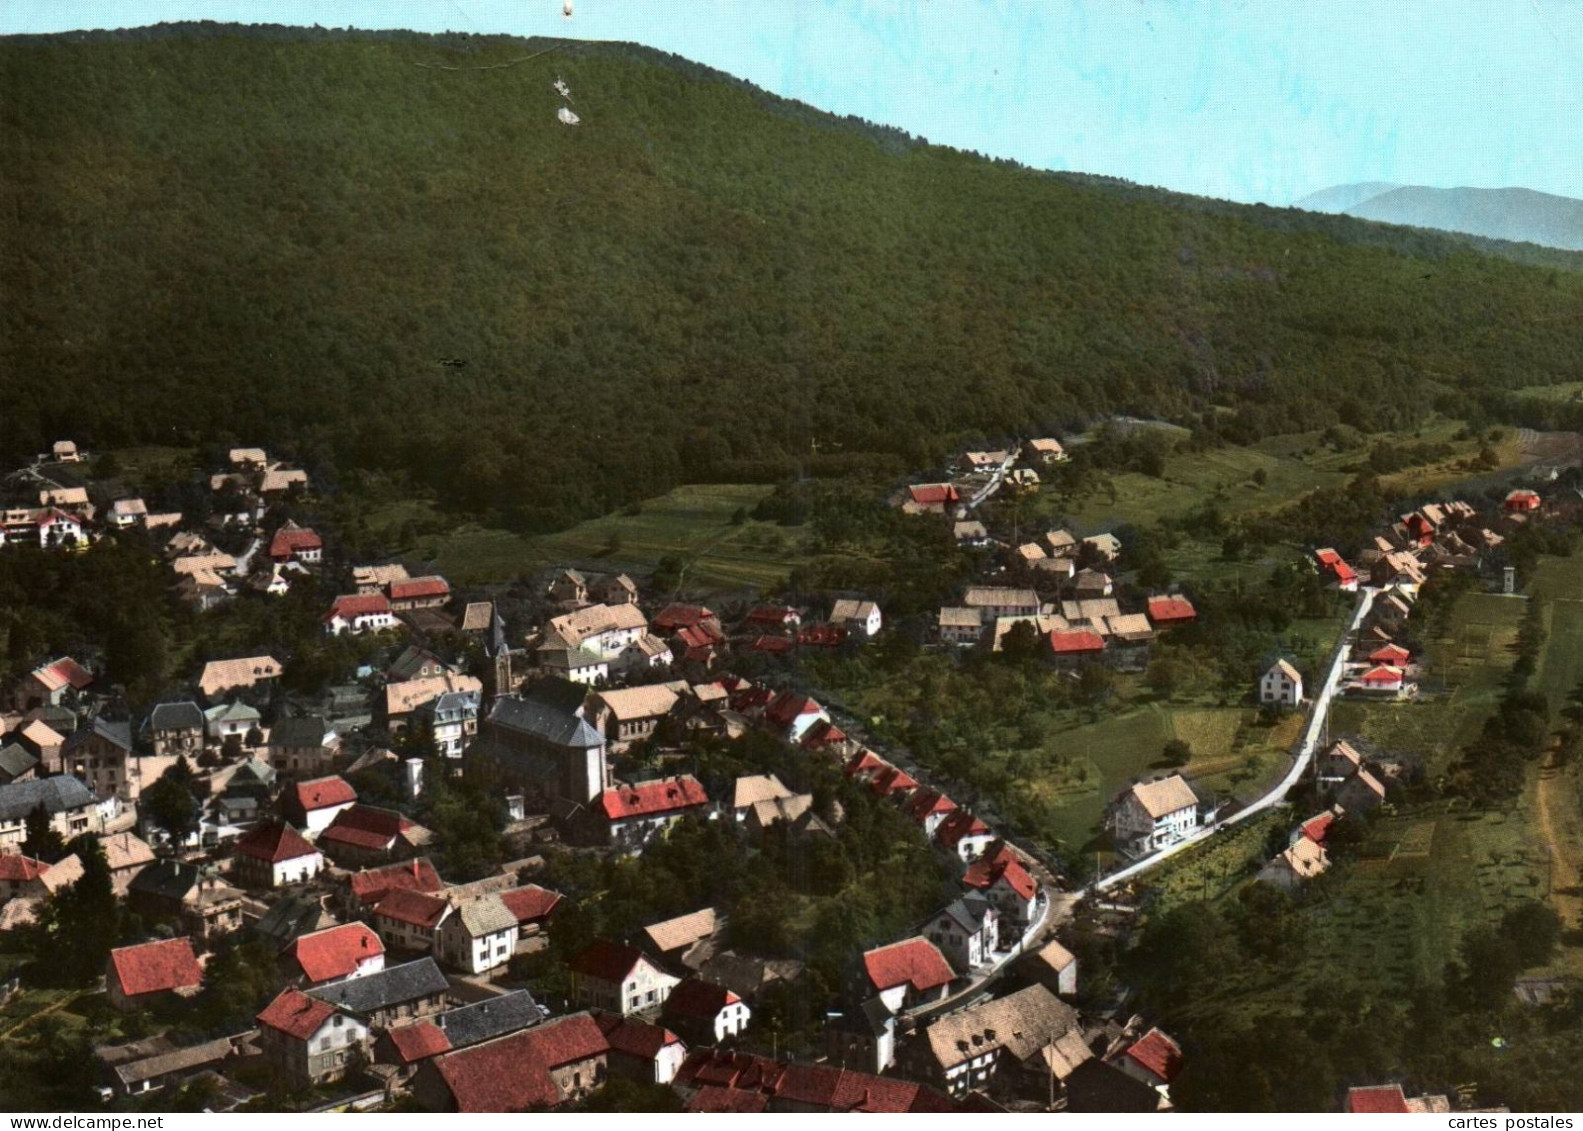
(332, 244)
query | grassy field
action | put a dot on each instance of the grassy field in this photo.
(692, 523)
(1463, 669)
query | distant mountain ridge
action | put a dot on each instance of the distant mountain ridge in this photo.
(1516, 214)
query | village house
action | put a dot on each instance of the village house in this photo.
(1301, 861)
(452, 720)
(961, 626)
(274, 855)
(177, 728)
(927, 808)
(314, 803)
(390, 996)
(348, 950)
(604, 630)
(859, 616)
(1521, 501)
(649, 1054)
(136, 976)
(403, 699)
(364, 889)
(1153, 1059)
(51, 684)
(45, 743)
(964, 1051)
(672, 939)
(1153, 815)
(126, 855)
(536, 1069)
(569, 589)
(17, 763)
(136, 1068)
(410, 920)
(21, 877)
(608, 975)
(222, 676)
(908, 973)
(1390, 1099)
(967, 932)
(366, 835)
(791, 716)
(970, 532)
(531, 906)
(716, 1080)
(1360, 793)
(1002, 877)
(72, 808)
(1090, 583)
(631, 714)
(48, 528)
(636, 814)
(1172, 610)
(705, 1013)
(479, 937)
(1046, 449)
(772, 618)
(198, 900)
(100, 753)
(359, 613)
(407, 1046)
(307, 1042)
(1281, 685)
(998, 601)
(303, 746)
(1075, 647)
(928, 498)
(1382, 681)
(1054, 967)
(293, 543)
(412, 593)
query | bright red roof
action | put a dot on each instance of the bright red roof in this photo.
(1344, 573)
(1158, 1053)
(65, 671)
(915, 962)
(334, 952)
(933, 494)
(364, 826)
(1383, 675)
(1315, 828)
(296, 1014)
(892, 779)
(605, 960)
(358, 605)
(1392, 654)
(959, 825)
(418, 1041)
(997, 864)
(293, 540)
(415, 587)
(652, 798)
(273, 843)
(323, 793)
(926, 803)
(1377, 1099)
(1327, 557)
(698, 636)
(530, 903)
(414, 907)
(823, 733)
(156, 967)
(21, 869)
(1171, 610)
(788, 708)
(865, 761)
(370, 886)
(1075, 641)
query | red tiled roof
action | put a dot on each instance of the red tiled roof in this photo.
(823, 733)
(634, 1037)
(774, 645)
(1344, 572)
(63, 672)
(699, 1000)
(292, 540)
(789, 707)
(926, 803)
(370, 886)
(513, 1073)
(156, 967)
(1393, 654)
(21, 869)
(1376, 1100)
(415, 587)
(698, 636)
(363, 826)
(673, 617)
(1327, 557)
(864, 762)
(605, 961)
(296, 1014)
(999, 863)
(1166, 610)
(1158, 1053)
(772, 614)
(414, 907)
(1315, 828)
(334, 952)
(721, 1100)
(1383, 675)
(1075, 641)
(916, 962)
(892, 779)
(959, 825)
(530, 903)
(418, 1041)
(358, 605)
(273, 843)
(652, 798)
(323, 793)
(933, 494)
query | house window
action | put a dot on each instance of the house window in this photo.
(324, 1043)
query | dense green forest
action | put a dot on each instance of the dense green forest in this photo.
(384, 251)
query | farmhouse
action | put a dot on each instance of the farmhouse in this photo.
(1281, 685)
(1154, 815)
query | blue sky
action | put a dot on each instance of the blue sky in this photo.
(1253, 100)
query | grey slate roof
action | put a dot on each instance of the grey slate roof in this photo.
(15, 759)
(392, 986)
(176, 716)
(57, 795)
(232, 713)
(493, 1017)
(119, 734)
(548, 712)
(305, 731)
